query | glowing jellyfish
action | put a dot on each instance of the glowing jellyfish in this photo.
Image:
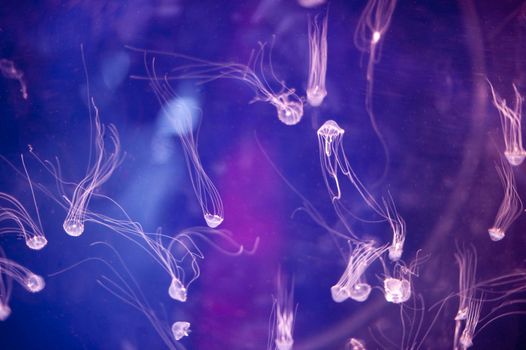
(9, 71)
(472, 320)
(510, 208)
(372, 26)
(181, 113)
(352, 283)
(510, 120)
(397, 224)
(316, 90)
(180, 329)
(288, 104)
(398, 286)
(13, 211)
(177, 290)
(104, 164)
(311, 3)
(31, 282)
(284, 312)
(5, 293)
(355, 344)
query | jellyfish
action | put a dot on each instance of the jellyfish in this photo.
(370, 30)
(398, 286)
(311, 3)
(510, 120)
(30, 281)
(397, 224)
(288, 104)
(316, 90)
(103, 167)
(352, 283)
(283, 314)
(472, 320)
(6, 285)
(179, 112)
(355, 344)
(9, 71)
(511, 206)
(180, 329)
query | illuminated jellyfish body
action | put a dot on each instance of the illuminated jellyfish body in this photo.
(283, 313)
(311, 3)
(398, 286)
(316, 90)
(181, 113)
(5, 294)
(9, 71)
(11, 210)
(288, 104)
(472, 320)
(510, 208)
(510, 120)
(355, 344)
(397, 224)
(30, 281)
(180, 329)
(352, 282)
(104, 164)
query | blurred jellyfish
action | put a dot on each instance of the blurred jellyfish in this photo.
(397, 224)
(9, 71)
(355, 344)
(289, 106)
(311, 3)
(103, 167)
(6, 285)
(30, 281)
(352, 283)
(472, 320)
(372, 26)
(316, 90)
(181, 114)
(283, 314)
(467, 266)
(180, 329)
(510, 208)
(510, 120)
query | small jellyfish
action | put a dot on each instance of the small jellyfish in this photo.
(316, 90)
(104, 164)
(177, 290)
(34, 283)
(180, 329)
(311, 3)
(5, 311)
(6, 285)
(372, 26)
(30, 281)
(397, 224)
(288, 104)
(510, 120)
(351, 284)
(9, 71)
(510, 208)
(355, 344)
(472, 320)
(282, 330)
(397, 290)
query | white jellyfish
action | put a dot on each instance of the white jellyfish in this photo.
(316, 90)
(288, 104)
(311, 3)
(510, 120)
(352, 282)
(180, 329)
(355, 344)
(30, 281)
(397, 224)
(283, 315)
(6, 285)
(398, 287)
(104, 164)
(180, 113)
(472, 320)
(9, 71)
(372, 26)
(511, 206)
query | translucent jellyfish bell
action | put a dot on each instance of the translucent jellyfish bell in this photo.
(5, 311)
(339, 294)
(289, 112)
(316, 96)
(462, 314)
(34, 283)
(329, 131)
(466, 340)
(515, 157)
(213, 220)
(360, 292)
(397, 290)
(36, 242)
(180, 329)
(395, 252)
(74, 228)
(177, 290)
(496, 234)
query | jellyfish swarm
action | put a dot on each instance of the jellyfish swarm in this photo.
(12, 210)
(180, 113)
(288, 104)
(510, 120)
(370, 30)
(352, 282)
(510, 208)
(9, 71)
(103, 167)
(316, 90)
(283, 313)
